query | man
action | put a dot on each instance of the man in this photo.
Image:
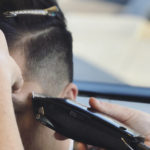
(10, 77)
(42, 47)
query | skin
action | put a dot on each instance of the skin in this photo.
(11, 81)
(136, 120)
(33, 134)
(18, 126)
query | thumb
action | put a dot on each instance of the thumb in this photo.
(119, 113)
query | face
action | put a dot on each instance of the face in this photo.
(22, 99)
(33, 134)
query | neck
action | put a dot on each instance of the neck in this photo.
(36, 136)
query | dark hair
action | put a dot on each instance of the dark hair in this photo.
(44, 40)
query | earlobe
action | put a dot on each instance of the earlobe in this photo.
(70, 92)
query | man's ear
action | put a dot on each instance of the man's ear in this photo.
(70, 92)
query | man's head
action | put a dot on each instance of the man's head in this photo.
(42, 47)
(41, 44)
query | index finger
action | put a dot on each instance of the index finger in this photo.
(3, 43)
(120, 113)
(81, 146)
(135, 119)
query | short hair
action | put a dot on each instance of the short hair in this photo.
(45, 41)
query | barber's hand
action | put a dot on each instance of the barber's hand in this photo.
(9, 70)
(136, 120)
(82, 146)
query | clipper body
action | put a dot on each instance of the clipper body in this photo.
(77, 122)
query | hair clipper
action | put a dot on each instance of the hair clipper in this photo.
(78, 123)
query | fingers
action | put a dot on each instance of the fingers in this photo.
(90, 147)
(59, 136)
(147, 143)
(136, 120)
(3, 43)
(147, 140)
(117, 112)
(81, 146)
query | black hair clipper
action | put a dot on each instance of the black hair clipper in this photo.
(78, 123)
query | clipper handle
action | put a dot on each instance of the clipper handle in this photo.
(77, 123)
(142, 146)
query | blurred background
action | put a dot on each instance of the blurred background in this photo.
(111, 40)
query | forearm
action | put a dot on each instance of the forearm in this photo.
(9, 134)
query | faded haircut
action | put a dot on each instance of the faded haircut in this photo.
(44, 40)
